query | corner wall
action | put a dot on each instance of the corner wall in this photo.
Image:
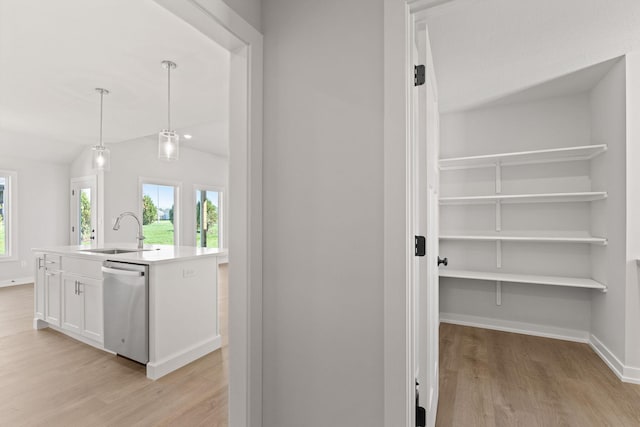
(323, 213)
(608, 172)
(632, 296)
(249, 10)
(43, 211)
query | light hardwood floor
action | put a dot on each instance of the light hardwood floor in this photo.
(490, 378)
(48, 379)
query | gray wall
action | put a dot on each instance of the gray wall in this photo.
(632, 299)
(250, 10)
(608, 125)
(323, 213)
(42, 214)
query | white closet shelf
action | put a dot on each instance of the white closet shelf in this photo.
(542, 239)
(584, 152)
(574, 282)
(525, 198)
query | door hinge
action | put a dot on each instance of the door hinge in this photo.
(418, 75)
(421, 245)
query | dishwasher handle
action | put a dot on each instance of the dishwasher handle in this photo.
(122, 272)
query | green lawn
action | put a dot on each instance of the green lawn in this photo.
(158, 233)
(212, 237)
(161, 233)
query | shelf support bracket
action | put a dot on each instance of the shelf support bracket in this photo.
(499, 254)
(498, 178)
(498, 293)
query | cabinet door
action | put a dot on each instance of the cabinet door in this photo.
(53, 284)
(71, 304)
(39, 289)
(91, 296)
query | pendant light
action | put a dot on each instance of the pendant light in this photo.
(168, 140)
(101, 158)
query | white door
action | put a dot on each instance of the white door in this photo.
(425, 223)
(83, 227)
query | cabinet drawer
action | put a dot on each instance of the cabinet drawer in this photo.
(83, 267)
(52, 262)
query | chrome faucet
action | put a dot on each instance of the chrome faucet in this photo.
(140, 236)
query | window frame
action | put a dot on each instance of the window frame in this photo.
(221, 217)
(177, 208)
(10, 221)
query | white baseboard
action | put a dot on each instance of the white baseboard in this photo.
(16, 282)
(39, 324)
(169, 364)
(628, 374)
(631, 375)
(516, 327)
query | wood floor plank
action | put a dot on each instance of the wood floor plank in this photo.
(49, 379)
(491, 378)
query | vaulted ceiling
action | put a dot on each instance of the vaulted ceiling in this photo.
(54, 53)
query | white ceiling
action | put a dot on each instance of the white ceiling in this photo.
(486, 49)
(54, 53)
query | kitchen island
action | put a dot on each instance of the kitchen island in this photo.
(182, 298)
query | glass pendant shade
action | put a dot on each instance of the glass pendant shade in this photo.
(168, 140)
(100, 158)
(100, 155)
(168, 145)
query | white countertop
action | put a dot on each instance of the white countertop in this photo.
(152, 254)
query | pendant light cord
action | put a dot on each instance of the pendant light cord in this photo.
(101, 100)
(169, 97)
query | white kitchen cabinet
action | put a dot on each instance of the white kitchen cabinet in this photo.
(91, 296)
(52, 288)
(39, 288)
(71, 304)
(82, 299)
(182, 299)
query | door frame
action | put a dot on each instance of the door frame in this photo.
(95, 208)
(222, 24)
(399, 379)
(222, 220)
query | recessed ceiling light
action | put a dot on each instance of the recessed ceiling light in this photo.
(187, 136)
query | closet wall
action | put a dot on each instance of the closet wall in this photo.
(608, 126)
(554, 115)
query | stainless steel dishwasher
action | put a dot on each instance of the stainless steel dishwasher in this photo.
(126, 309)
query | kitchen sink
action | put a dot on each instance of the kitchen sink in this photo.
(113, 251)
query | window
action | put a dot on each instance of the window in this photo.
(159, 213)
(209, 218)
(8, 185)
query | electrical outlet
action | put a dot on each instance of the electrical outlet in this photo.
(23, 264)
(188, 272)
